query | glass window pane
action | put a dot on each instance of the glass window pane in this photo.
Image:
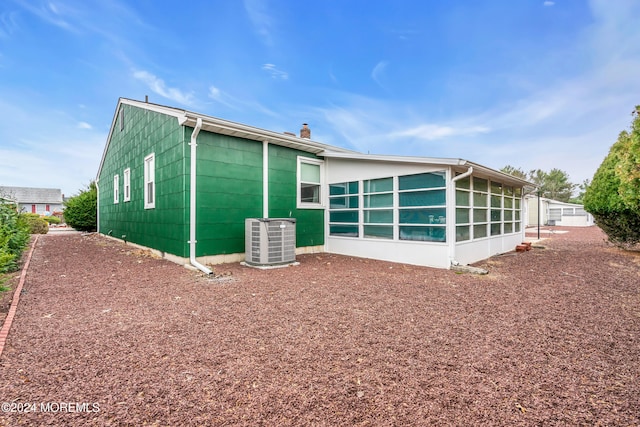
(338, 189)
(464, 183)
(508, 215)
(479, 231)
(423, 216)
(353, 187)
(480, 199)
(518, 192)
(508, 226)
(496, 229)
(462, 198)
(343, 202)
(517, 203)
(517, 227)
(422, 180)
(462, 216)
(508, 202)
(423, 198)
(378, 185)
(496, 201)
(379, 231)
(508, 191)
(495, 215)
(343, 216)
(480, 215)
(310, 172)
(480, 184)
(426, 234)
(309, 193)
(462, 233)
(384, 216)
(496, 188)
(343, 230)
(378, 201)
(517, 215)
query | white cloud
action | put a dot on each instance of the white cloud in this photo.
(430, 132)
(549, 3)
(275, 72)
(84, 125)
(261, 20)
(378, 72)
(158, 86)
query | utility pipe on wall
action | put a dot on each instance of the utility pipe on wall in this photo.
(452, 224)
(192, 201)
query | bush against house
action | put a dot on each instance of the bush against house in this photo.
(81, 210)
(14, 236)
(613, 197)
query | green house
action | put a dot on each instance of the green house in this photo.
(183, 183)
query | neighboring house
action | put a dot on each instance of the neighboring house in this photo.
(183, 183)
(42, 201)
(554, 212)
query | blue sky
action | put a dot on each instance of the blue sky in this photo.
(530, 83)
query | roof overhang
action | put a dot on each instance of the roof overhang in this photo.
(436, 161)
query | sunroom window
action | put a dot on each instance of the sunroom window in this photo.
(343, 209)
(422, 207)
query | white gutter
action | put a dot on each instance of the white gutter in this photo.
(451, 213)
(192, 201)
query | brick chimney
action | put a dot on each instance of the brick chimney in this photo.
(305, 132)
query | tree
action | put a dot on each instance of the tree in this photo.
(81, 211)
(554, 184)
(517, 172)
(613, 197)
(579, 199)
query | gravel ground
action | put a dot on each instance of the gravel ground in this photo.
(108, 335)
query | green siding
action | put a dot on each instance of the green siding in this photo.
(165, 227)
(283, 163)
(229, 187)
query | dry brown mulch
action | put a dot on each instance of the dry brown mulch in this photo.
(549, 337)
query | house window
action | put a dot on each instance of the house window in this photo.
(422, 207)
(48, 208)
(309, 182)
(149, 182)
(121, 119)
(378, 212)
(343, 209)
(116, 188)
(463, 209)
(126, 185)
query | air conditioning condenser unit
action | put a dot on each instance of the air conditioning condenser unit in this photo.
(270, 241)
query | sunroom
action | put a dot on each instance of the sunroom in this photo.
(423, 211)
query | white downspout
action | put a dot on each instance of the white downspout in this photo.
(452, 224)
(192, 201)
(97, 206)
(265, 179)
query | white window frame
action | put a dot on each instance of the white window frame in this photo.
(126, 185)
(116, 189)
(150, 181)
(307, 205)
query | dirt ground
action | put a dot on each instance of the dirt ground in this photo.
(108, 335)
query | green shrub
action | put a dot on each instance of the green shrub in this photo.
(52, 220)
(613, 197)
(81, 210)
(14, 236)
(35, 223)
